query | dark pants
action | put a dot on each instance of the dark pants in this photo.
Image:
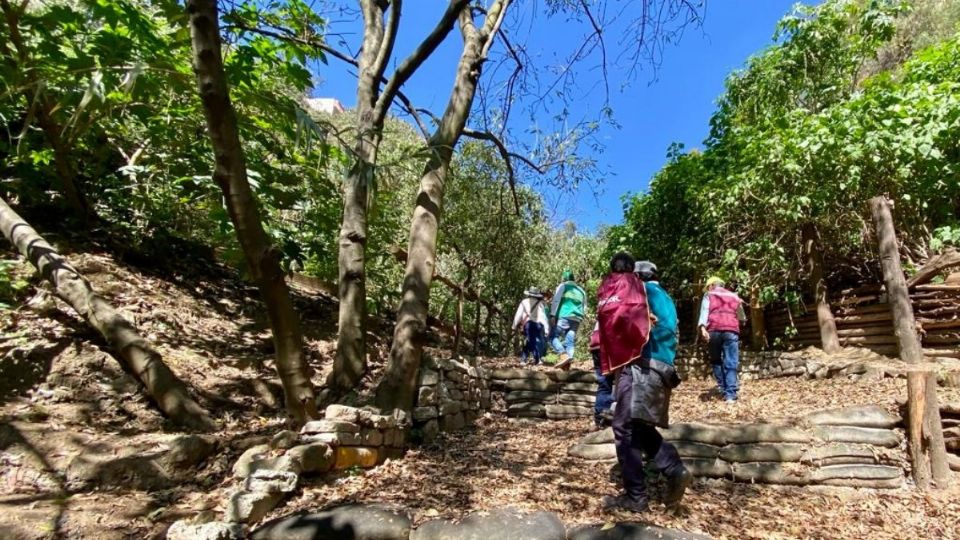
(604, 389)
(636, 441)
(725, 357)
(531, 349)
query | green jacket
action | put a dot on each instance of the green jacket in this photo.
(569, 302)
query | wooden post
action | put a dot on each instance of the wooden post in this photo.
(829, 340)
(916, 407)
(928, 455)
(933, 432)
(758, 323)
(904, 326)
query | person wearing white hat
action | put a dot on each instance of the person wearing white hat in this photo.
(531, 320)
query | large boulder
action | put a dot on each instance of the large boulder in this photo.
(500, 523)
(346, 522)
(251, 506)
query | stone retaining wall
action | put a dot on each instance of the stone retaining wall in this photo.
(857, 446)
(451, 395)
(556, 395)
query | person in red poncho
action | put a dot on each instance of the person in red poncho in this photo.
(642, 389)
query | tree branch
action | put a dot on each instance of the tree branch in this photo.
(389, 39)
(423, 51)
(506, 155)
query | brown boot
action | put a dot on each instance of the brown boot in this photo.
(564, 362)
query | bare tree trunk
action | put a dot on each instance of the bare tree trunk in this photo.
(458, 324)
(66, 173)
(396, 390)
(904, 325)
(829, 339)
(230, 173)
(146, 364)
(476, 327)
(758, 322)
(928, 455)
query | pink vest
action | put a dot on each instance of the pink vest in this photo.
(722, 316)
(624, 318)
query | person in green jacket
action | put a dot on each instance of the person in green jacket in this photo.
(566, 313)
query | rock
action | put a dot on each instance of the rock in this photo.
(187, 451)
(284, 439)
(313, 458)
(334, 439)
(424, 413)
(271, 481)
(470, 416)
(876, 437)
(593, 452)
(598, 437)
(868, 416)
(382, 421)
(499, 523)
(696, 450)
(559, 412)
(330, 426)
(510, 373)
(526, 409)
(579, 388)
(214, 530)
(428, 377)
(241, 469)
(631, 531)
(762, 452)
(371, 437)
(355, 456)
(347, 522)
(448, 408)
(430, 430)
(453, 422)
(530, 396)
(426, 395)
(537, 385)
(343, 413)
(282, 463)
(250, 506)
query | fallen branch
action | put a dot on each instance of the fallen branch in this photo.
(146, 364)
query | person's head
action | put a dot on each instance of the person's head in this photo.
(645, 270)
(714, 281)
(621, 263)
(534, 292)
(567, 275)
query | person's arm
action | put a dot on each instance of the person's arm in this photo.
(543, 317)
(585, 301)
(704, 315)
(519, 315)
(555, 303)
(741, 313)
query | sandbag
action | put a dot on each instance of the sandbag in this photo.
(528, 395)
(742, 453)
(767, 433)
(697, 450)
(598, 437)
(869, 416)
(593, 452)
(709, 468)
(769, 473)
(860, 472)
(876, 437)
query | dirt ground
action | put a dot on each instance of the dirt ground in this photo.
(66, 406)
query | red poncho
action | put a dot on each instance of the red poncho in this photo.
(624, 319)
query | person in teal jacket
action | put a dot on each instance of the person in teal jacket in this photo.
(566, 313)
(664, 334)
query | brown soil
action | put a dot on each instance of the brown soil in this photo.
(66, 408)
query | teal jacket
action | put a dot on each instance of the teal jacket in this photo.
(663, 336)
(569, 302)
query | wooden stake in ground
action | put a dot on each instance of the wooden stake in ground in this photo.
(162, 385)
(928, 455)
(818, 285)
(904, 326)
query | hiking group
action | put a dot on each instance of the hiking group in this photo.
(634, 347)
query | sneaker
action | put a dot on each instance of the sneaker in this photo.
(623, 502)
(676, 486)
(564, 362)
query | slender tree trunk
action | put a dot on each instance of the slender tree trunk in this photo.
(829, 339)
(230, 173)
(146, 364)
(476, 326)
(458, 324)
(53, 132)
(904, 325)
(396, 390)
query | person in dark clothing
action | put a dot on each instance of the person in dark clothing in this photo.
(642, 395)
(604, 399)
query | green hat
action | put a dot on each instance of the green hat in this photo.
(714, 280)
(567, 275)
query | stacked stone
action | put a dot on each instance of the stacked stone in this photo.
(451, 395)
(855, 446)
(555, 395)
(266, 473)
(694, 363)
(950, 418)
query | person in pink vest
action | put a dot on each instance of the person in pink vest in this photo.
(720, 314)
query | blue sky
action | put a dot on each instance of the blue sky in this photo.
(655, 109)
